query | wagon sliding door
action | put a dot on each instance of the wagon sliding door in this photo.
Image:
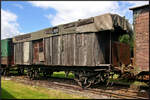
(38, 53)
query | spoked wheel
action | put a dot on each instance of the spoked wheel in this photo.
(85, 79)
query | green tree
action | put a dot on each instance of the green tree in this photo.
(128, 40)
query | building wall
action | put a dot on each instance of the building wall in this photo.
(141, 30)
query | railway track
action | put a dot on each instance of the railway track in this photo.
(69, 85)
(121, 94)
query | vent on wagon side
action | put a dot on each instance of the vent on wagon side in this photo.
(85, 21)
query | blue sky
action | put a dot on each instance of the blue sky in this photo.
(29, 18)
(21, 17)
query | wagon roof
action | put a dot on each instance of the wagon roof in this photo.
(93, 24)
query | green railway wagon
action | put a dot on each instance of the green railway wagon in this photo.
(6, 52)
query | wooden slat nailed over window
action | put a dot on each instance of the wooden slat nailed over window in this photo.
(85, 21)
(69, 25)
(54, 30)
(22, 37)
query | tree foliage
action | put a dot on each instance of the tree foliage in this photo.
(128, 40)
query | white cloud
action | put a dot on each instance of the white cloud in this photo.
(68, 11)
(138, 3)
(9, 24)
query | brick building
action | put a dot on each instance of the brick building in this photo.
(141, 34)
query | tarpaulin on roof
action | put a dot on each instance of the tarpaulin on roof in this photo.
(106, 22)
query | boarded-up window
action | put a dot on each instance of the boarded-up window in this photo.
(40, 46)
(38, 54)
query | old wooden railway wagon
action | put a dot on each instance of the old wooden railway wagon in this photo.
(87, 47)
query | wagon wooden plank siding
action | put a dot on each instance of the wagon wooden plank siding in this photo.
(86, 42)
(141, 29)
(76, 50)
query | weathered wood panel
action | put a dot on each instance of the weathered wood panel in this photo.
(30, 53)
(77, 49)
(90, 48)
(51, 49)
(99, 49)
(64, 57)
(59, 49)
(82, 50)
(74, 47)
(55, 51)
(63, 50)
(18, 53)
(78, 45)
(47, 56)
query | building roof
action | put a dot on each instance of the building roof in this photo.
(146, 5)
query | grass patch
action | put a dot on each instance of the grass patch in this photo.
(12, 90)
(61, 74)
